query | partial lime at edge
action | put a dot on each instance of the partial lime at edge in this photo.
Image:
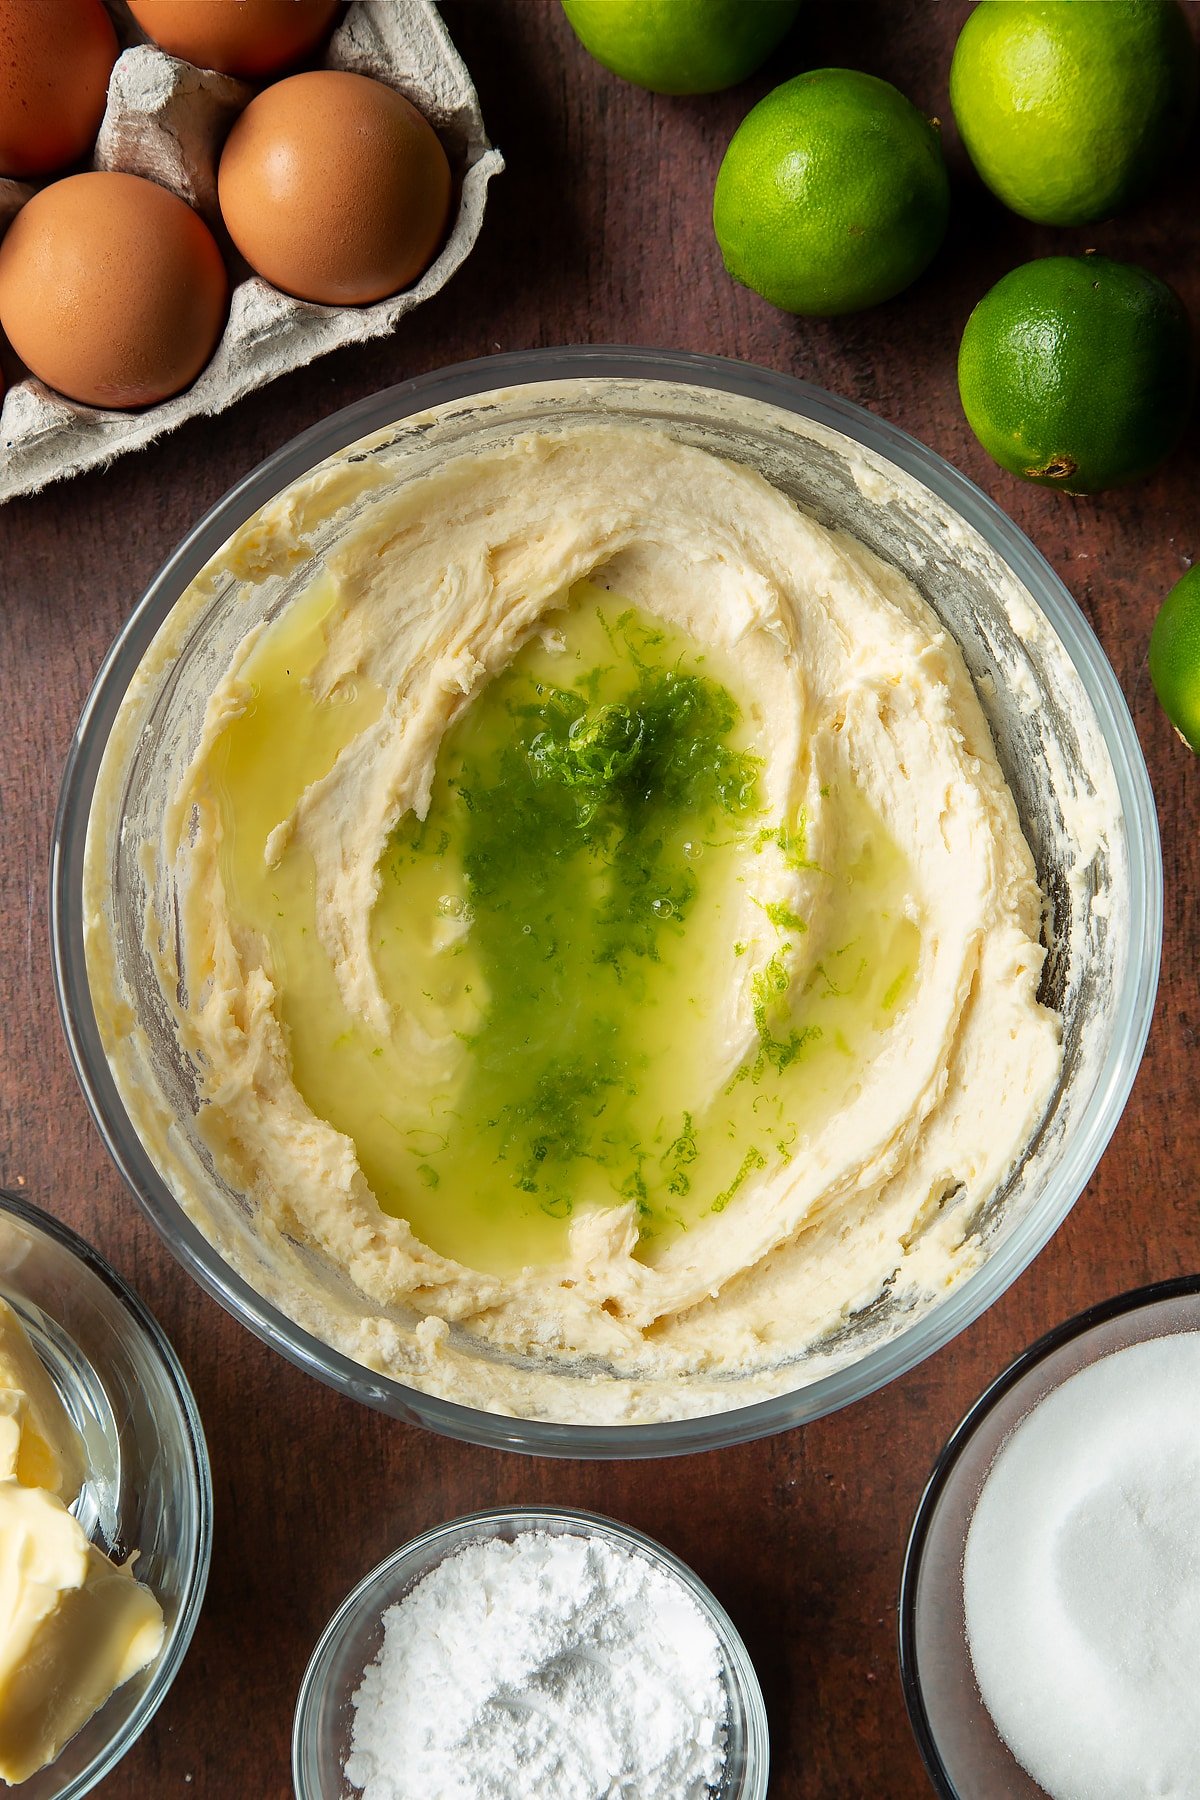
(681, 46)
(1071, 109)
(1175, 657)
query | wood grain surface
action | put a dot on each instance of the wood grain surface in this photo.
(600, 232)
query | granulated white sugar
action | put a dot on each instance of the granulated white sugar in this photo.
(554, 1667)
(1081, 1580)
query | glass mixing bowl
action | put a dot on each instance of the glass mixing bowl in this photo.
(964, 1753)
(148, 1487)
(1062, 732)
(352, 1639)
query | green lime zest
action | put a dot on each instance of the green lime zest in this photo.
(572, 811)
(768, 991)
(750, 1163)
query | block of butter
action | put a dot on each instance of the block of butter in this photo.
(39, 1444)
(73, 1627)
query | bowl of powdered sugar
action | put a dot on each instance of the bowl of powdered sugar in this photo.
(531, 1655)
(1050, 1606)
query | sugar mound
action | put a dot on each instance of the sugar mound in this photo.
(1081, 1580)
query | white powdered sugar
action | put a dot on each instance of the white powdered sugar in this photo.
(552, 1667)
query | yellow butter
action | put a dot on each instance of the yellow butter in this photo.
(73, 1625)
(39, 1445)
(14, 1415)
(73, 1628)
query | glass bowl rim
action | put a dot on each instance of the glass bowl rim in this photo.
(159, 1346)
(527, 1518)
(1102, 1312)
(977, 1291)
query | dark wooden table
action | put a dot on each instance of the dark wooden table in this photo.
(600, 231)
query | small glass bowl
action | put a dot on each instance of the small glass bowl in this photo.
(960, 1746)
(148, 1487)
(351, 1641)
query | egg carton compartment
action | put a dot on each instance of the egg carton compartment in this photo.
(167, 120)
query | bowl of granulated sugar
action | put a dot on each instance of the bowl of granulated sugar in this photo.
(543, 1653)
(1050, 1604)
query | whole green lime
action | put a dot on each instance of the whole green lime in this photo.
(1076, 372)
(833, 194)
(1070, 108)
(1175, 657)
(681, 46)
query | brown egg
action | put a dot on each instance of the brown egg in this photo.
(55, 60)
(334, 188)
(251, 38)
(111, 290)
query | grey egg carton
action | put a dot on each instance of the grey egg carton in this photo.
(167, 120)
